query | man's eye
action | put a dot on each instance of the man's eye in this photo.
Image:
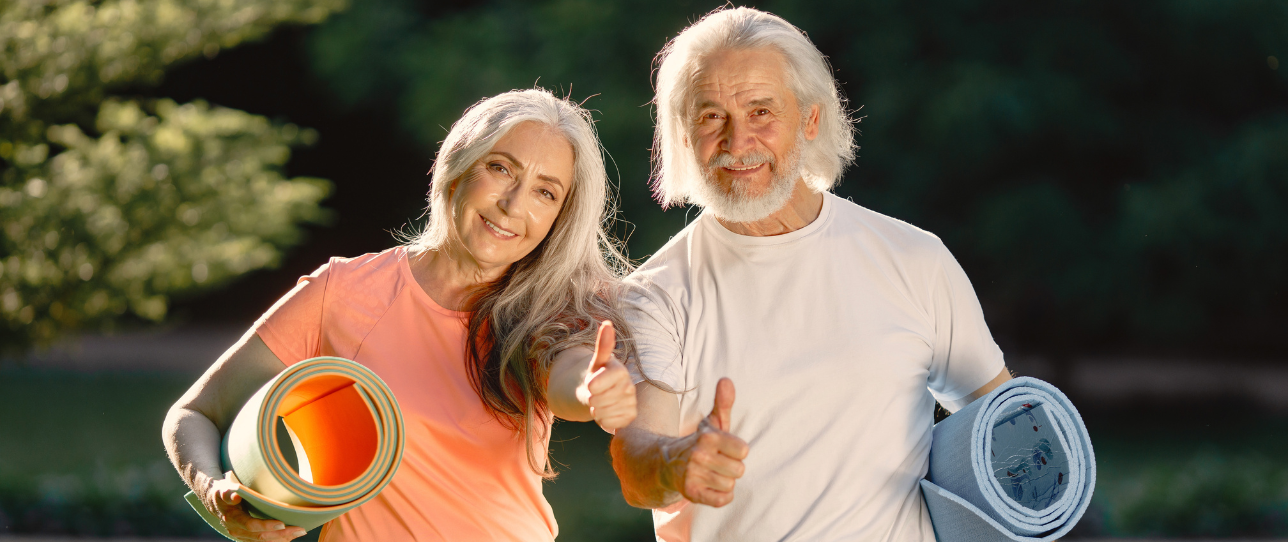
(762, 111)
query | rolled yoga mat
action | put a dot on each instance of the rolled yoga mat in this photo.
(346, 431)
(1015, 464)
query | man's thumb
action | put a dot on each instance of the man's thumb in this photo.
(721, 412)
(605, 342)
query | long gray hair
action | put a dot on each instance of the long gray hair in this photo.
(553, 298)
(809, 77)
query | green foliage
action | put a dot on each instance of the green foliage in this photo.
(1208, 494)
(1106, 171)
(1215, 473)
(111, 204)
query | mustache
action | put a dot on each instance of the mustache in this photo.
(753, 158)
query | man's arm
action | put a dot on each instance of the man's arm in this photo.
(657, 466)
(998, 380)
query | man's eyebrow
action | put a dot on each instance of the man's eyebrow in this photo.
(705, 104)
(763, 102)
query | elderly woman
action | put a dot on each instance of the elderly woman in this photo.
(480, 326)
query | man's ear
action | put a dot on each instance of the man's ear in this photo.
(811, 123)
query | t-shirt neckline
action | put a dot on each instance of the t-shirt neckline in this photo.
(720, 231)
(404, 267)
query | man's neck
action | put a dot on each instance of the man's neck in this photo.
(802, 209)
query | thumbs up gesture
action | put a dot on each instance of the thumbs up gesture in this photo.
(704, 466)
(607, 387)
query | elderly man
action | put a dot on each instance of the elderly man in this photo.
(837, 326)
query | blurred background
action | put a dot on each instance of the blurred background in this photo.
(1113, 176)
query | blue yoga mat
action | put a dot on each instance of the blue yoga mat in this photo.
(1015, 464)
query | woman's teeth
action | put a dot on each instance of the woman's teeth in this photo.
(498, 229)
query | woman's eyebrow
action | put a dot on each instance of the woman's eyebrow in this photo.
(553, 179)
(520, 166)
(511, 158)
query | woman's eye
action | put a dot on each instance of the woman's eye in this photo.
(499, 168)
(547, 194)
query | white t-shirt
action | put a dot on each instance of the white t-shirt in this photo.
(836, 336)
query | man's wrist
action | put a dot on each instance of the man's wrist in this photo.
(674, 452)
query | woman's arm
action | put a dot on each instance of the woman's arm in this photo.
(195, 425)
(592, 385)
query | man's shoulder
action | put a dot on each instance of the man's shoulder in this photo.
(672, 256)
(852, 219)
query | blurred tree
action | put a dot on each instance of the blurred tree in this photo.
(111, 204)
(431, 60)
(1110, 174)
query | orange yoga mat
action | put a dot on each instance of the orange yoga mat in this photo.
(347, 435)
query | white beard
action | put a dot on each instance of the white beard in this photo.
(737, 205)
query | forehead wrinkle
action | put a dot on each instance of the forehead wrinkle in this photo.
(711, 86)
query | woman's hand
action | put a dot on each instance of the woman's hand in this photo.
(223, 501)
(607, 389)
(594, 385)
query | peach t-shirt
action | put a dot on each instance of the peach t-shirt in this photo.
(463, 475)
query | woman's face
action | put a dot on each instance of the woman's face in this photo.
(510, 198)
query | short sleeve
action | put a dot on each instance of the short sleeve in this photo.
(292, 328)
(657, 341)
(965, 356)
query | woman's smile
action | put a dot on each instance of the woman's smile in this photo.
(499, 231)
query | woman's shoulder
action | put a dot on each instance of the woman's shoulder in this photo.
(376, 275)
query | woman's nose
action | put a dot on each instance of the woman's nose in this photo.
(509, 201)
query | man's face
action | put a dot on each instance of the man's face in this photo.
(746, 132)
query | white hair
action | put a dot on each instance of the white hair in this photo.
(554, 297)
(808, 77)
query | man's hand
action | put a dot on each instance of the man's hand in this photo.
(223, 501)
(704, 466)
(607, 389)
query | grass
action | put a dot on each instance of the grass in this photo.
(81, 454)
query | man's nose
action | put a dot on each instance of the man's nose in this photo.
(738, 139)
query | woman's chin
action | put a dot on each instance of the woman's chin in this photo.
(491, 256)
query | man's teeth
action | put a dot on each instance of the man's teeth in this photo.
(744, 168)
(498, 229)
